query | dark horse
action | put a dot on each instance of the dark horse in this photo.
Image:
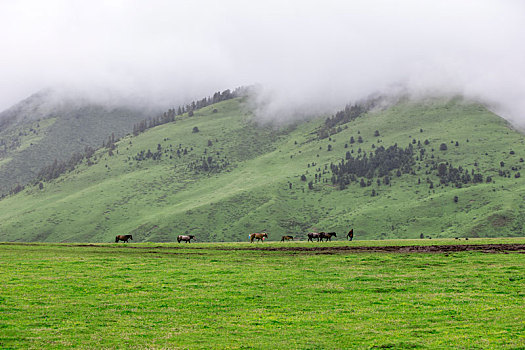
(258, 236)
(328, 236)
(286, 238)
(124, 238)
(313, 235)
(350, 234)
(186, 239)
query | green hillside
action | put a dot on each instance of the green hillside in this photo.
(40, 129)
(220, 176)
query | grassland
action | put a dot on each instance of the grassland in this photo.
(202, 296)
(261, 186)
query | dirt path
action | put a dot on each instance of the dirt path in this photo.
(318, 249)
(487, 248)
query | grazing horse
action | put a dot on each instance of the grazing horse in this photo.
(350, 234)
(328, 236)
(186, 239)
(313, 235)
(258, 236)
(286, 238)
(124, 238)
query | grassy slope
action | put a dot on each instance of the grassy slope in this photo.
(157, 200)
(181, 296)
(57, 133)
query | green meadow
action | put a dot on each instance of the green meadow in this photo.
(233, 296)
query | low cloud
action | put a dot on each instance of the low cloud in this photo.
(307, 57)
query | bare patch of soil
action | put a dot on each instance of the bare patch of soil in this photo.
(453, 248)
(318, 249)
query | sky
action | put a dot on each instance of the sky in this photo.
(306, 56)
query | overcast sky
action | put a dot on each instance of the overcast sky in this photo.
(306, 54)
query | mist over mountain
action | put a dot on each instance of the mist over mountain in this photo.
(49, 127)
(307, 57)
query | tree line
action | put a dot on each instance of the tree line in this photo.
(375, 164)
(190, 108)
(332, 125)
(379, 166)
(57, 168)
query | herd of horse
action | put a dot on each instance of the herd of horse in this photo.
(319, 236)
(259, 237)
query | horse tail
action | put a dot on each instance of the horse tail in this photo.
(116, 239)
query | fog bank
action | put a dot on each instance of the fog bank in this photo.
(306, 56)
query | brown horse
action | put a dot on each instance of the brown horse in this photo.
(286, 238)
(350, 234)
(186, 239)
(328, 236)
(124, 238)
(258, 236)
(313, 235)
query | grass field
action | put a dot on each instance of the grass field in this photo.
(202, 296)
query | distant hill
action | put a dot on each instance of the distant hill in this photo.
(42, 128)
(438, 168)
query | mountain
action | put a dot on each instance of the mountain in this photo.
(438, 168)
(45, 127)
